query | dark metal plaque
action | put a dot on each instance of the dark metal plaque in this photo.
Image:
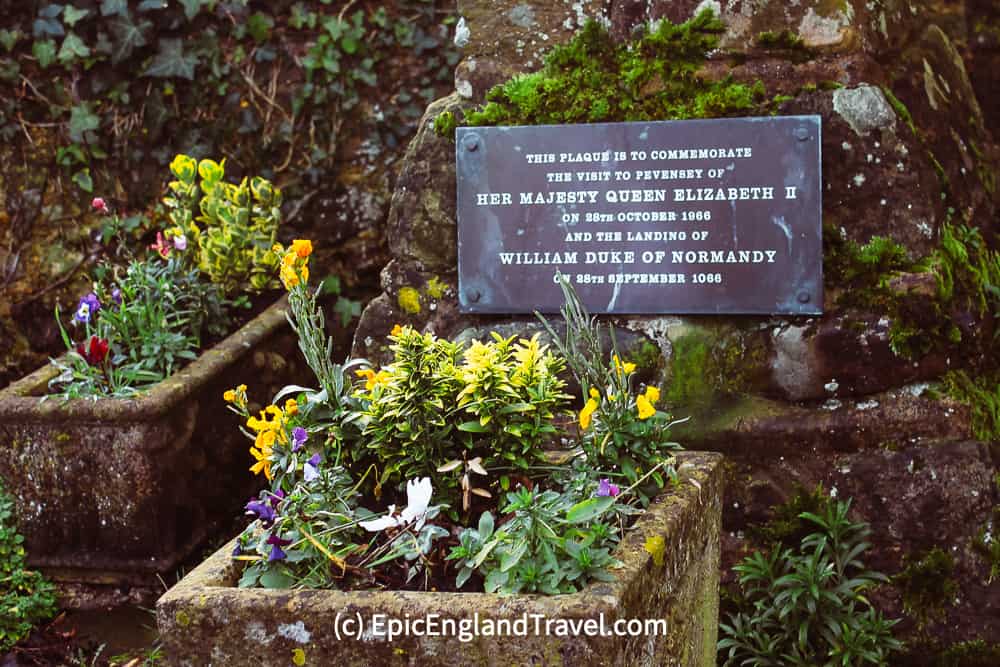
(701, 216)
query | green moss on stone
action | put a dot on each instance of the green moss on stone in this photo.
(965, 271)
(445, 124)
(927, 584)
(982, 396)
(435, 288)
(706, 367)
(592, 79)
(975, 653)
(786, 39)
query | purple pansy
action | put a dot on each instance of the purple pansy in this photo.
(237, 550)
(605, 488)
(276, 552)
(299, 437)
(310, 470)
(116, 296)
(87, 308)
(264, 511)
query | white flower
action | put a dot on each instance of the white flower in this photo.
(418, 497)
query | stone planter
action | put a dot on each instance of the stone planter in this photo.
(117, 492)
(205, 619)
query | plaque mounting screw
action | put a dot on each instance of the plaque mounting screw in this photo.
(471, 142)
(801, 133)
(474, 295)
(804, 297)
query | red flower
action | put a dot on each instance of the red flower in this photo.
(99, 205)
(95, 352)
(161, 246)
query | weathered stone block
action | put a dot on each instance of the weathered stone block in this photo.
(205, 619)
(114, 491)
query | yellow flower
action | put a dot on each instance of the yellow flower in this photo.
(289, 278)
(277, 249)
(303, 248)
(263, 457)
(652, 394)
(626, 368)
(644, 407)
(594, 393)
(229, 396)
(291, 407)
(586, 413)
(396, 331)
(242, 388)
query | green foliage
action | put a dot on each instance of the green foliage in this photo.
(552, 543)
(26, 597)
(807, 606)
(233, 227)
(927, 584)
(591, 79)
(433, 404)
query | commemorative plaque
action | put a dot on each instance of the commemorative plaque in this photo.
(702, 216)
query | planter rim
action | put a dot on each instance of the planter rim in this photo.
(18, 403)
(217, 574)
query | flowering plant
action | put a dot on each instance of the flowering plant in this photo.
(145, 317)
(432, 472)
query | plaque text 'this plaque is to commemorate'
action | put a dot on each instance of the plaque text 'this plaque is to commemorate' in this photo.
(707, 216)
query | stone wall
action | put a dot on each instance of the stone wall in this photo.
(907, 155)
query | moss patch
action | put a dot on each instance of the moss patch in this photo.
(592, 79)
(706, 367)
(965, 275)
(982, 396)
(975, 653)
(927, 584)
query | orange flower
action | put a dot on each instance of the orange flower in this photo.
(369, 376)
(291, 407)
(303, 248)
(396, 331)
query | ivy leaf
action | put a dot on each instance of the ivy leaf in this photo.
(259, 26)
(43, 27)
(72, 15)
(81, 121)
(191, 8)
(10, 38)
(72, 48)
(44, 51)
(171, 61)
(129, 36)
(114, 7)
(83, 180)
(151, 5)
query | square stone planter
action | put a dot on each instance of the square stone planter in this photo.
(206, 620)
(116, 492)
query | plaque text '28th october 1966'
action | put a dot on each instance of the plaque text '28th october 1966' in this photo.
(706, 216)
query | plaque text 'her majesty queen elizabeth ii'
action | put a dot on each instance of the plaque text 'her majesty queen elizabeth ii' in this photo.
(706, 216)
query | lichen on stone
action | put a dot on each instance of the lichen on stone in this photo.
(409, 300)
